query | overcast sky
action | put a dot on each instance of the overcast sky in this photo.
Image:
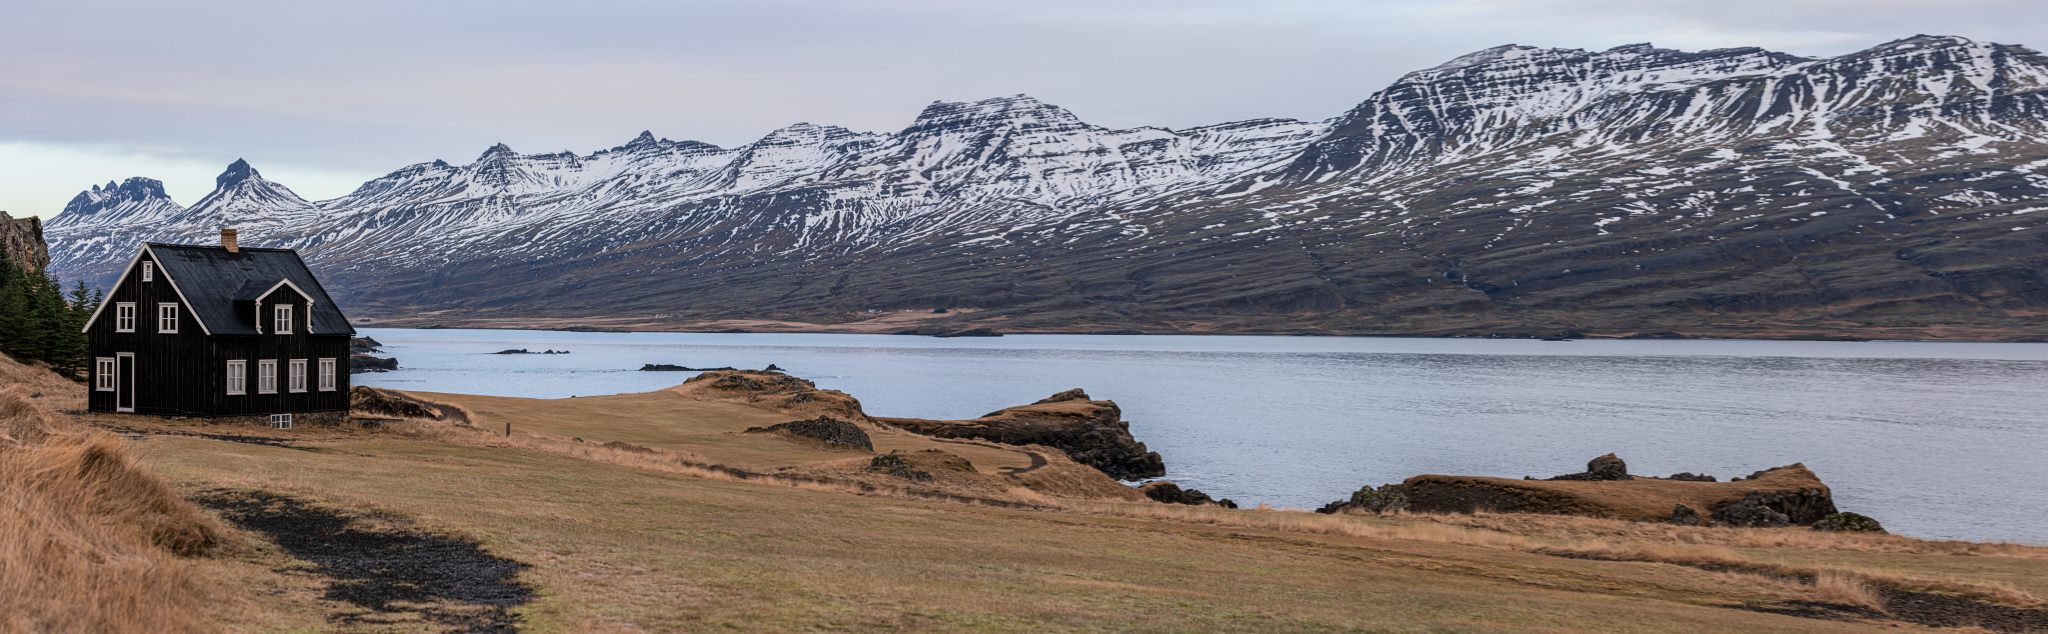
(323, 96)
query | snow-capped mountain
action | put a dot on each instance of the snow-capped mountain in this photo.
(1634, 188)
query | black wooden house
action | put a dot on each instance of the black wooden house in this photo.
(220, 332)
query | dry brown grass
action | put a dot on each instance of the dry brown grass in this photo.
(1841, 588)
(1573, 528)
(89, 542)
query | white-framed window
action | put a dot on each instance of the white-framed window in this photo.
(124, 317)
(148, 271)
(266, 376)
(283, 323)
(103, 374)
(295, 378)
(281, 421)
(167, 318)
(238, 376)
(326, 375)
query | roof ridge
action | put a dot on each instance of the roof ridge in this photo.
(216, 246)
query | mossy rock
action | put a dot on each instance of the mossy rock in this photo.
(1848, 523)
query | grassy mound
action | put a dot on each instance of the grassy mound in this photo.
(90, 542)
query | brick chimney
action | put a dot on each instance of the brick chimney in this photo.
(227, 239)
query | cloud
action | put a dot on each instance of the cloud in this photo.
(367, 87)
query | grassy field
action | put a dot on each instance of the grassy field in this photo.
(620, 540)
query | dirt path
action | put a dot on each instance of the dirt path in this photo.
(398, 576)
(1037, 460)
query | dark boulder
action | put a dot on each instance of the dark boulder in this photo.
(824, 428)
(1604, 468)
(1691, 477)
(1684, 516)
(1170, 493)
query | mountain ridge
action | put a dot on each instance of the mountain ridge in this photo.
(1512, 189)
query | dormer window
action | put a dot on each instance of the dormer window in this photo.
(148, 271)
(282, 325)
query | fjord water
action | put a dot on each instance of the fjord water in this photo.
(1935, 439)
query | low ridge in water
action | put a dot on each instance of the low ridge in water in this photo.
(1935, 439)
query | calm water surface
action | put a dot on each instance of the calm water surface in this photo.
(1938, 440)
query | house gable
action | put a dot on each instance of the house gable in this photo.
(145, 255)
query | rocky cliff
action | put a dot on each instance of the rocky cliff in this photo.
(22, 239)
(1091, 432)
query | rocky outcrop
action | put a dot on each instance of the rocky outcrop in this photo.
(22, 239)
(1785, 496)
(1170, 493)
(1091, 432)
(371, 401)
(1604, 468)
(360, 363)
(1764, 509)
(831, 431)
(775, 392)
(363, 345)
(1848, 523)
(664, 367)
(895, 463)
(1386, 498)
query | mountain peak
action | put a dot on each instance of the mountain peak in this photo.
(238, 171)
(497, 150)
(1020, 110)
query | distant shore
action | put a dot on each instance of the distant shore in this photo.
(926, 322)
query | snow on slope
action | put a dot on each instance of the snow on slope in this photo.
(1630, 134)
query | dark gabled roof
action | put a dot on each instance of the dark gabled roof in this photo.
(213, 280)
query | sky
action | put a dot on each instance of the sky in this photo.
(323, 96)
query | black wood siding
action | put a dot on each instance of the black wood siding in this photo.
(185, 374)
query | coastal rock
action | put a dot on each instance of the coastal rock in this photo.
(1801, 507)
(1170, 493)
(358, 364)
(1848, 523)
(831, 431)
(977, 332)
(1386, 498)
(1601, 469)
(663, 367)
(363, 345)
(1691, 477)
(1784, 496)
(1091, 432)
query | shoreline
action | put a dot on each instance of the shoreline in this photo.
(894, 328)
